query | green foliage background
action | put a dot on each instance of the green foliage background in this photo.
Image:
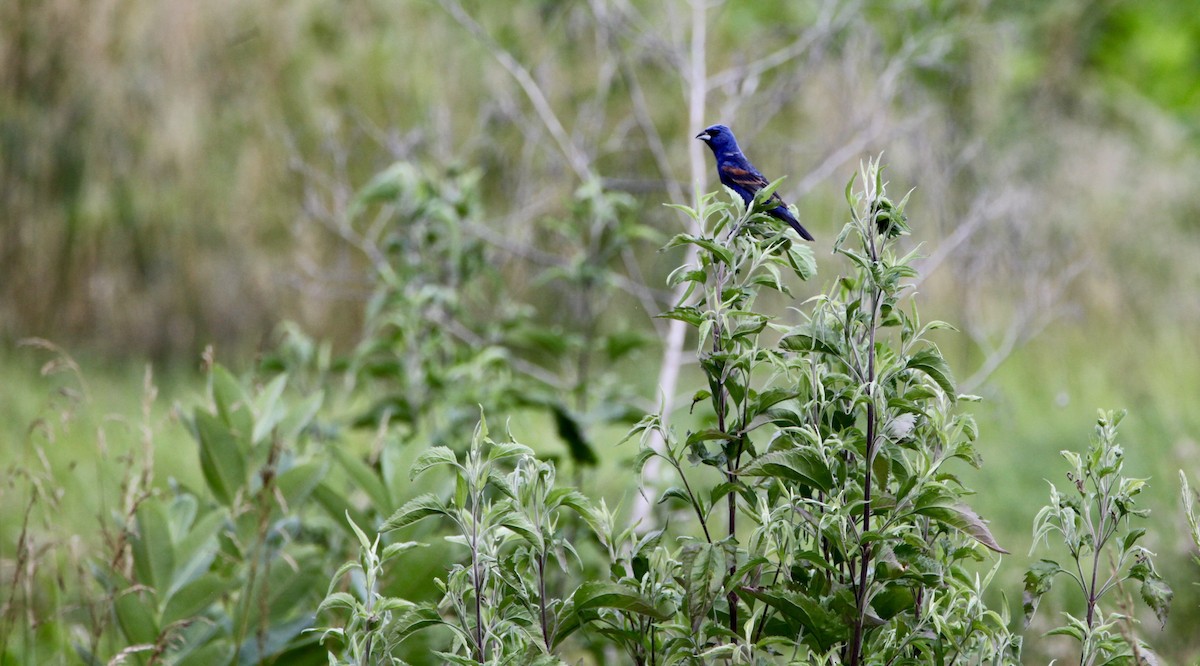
(171, 175)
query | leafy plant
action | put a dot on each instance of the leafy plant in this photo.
(1094, 519)
(498, 604)
(844, 536)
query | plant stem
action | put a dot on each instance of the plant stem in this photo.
(541, 562)
(860, 592)
(479, 651)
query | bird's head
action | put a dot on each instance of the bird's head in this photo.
(719, 138)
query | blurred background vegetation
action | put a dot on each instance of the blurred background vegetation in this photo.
(175, 175)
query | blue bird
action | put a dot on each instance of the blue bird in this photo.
(736, 173)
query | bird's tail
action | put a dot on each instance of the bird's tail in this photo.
(784, 214)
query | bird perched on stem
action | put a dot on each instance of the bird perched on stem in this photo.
(736, 173)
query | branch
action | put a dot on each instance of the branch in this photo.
(575, 157)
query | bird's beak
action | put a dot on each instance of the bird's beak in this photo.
(703, 136)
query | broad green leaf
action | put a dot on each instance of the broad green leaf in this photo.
(417, 619)
(571, 433)
(522, 526)
(297, 483)
(1039, 578)
(675, 493)
(268, 412)
(364, 477)
(957, 515)
(394, 549)
(337, 506)
(197, 549)
(432, 457)
(153, 552)
(1157, 595)
(761, 196)
(300, 416)
(508, 450)
(820, 627)
(338, 600)
(258, 649)
(218, 652)
(1155, 592)
(233, 405)
(606, 594)
(194, 598)
(222, 459)
(800, 465)
(892, 600)
(418, 508)
(930, 362)
(813, 340)
(135, 614)
(717, 251)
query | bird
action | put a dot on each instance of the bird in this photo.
(739, 175)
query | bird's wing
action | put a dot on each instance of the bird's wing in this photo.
(748, 179)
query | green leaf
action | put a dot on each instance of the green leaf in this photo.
(222, 458)
(257, 649)
(1157, 595)
(394, 549)
(892, 600)
(761, 196)
(432, 457)
(363, 541)
(135, 614)
(571, 433)
(676, 493)
(522, 526)
(297, 483)
(233, 405)
(416, 509)
(821, 627)
(801, 465)
(719, 252)
(196, 550)
(816, 339)
(364, 477)
(268, 412)
(338, 600)
(1039, 578)
(417, 619)
(1131, 537)
(153, 552)
(606, 594)
(687, 314)
(930, 362)
(957, 515)
(194, 598)
(507, 450)
(300, 416)
(337, 505)
(217, 652)
(1155, 592)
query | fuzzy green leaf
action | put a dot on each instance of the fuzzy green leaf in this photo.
(957, 515)
(432, 457)
(416, 509)
(1039, 578)
(930, 362)
(605, 594)
(800, 465)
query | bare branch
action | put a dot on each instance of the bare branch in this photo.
(575, 157)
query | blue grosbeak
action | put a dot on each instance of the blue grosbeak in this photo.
(736, 173)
